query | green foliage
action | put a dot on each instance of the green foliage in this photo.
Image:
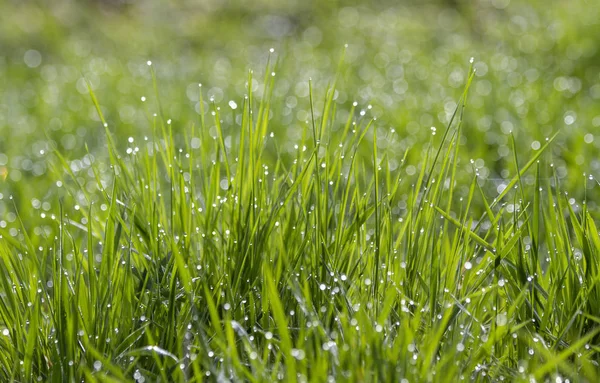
(198, 263)
(291, 233)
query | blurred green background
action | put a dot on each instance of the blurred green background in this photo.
(537, 62)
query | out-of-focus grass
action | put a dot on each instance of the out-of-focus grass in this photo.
(537, 70)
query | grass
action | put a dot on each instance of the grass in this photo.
(304, 222)
(198, 256)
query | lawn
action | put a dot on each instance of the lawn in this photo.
(300, 191)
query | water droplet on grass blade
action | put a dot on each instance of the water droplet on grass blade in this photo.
(501, 319)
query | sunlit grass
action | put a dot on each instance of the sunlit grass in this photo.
(205, 252)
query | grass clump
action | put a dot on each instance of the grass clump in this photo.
(205, 252)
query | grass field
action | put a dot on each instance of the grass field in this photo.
(299, 191)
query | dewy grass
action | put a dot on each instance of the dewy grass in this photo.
(227, 260)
